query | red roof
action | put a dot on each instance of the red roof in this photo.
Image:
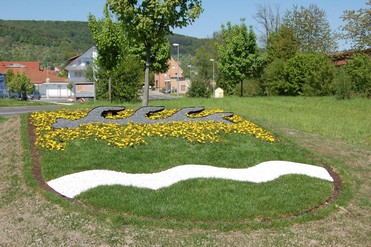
(30, 65)
(32, 70)
(74, 57)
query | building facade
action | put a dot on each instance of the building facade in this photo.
(46, 81)
(78, 65)
(170, 81)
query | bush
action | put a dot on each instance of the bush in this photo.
(198, 89)
(274, 79)
(359, 71)
(343, 84)
(251, 87)
(310, 74)
(126, 81)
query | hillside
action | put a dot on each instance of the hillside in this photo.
(53, 42)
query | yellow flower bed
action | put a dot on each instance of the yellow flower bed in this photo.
(136, 134)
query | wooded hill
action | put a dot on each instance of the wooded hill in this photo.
(53, 42)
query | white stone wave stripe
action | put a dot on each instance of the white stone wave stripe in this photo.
(76, 183)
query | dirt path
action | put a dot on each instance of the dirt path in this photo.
(28, 219)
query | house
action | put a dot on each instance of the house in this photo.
(341, 58)
(169, 81)
(82, 87)
(79, 64)
(46, 81)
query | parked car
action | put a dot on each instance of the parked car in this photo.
(35, 95)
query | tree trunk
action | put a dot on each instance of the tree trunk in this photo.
(110, 88)
(146, 78)
(241, 93)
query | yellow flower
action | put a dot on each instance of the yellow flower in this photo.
(134, 134)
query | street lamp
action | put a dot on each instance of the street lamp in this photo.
(177, 75)
(190, 71)
(213, 83)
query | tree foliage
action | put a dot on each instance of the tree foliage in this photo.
(126, 80)
(282, 44)
(50, 42)
(269, 19)
(310, 74)
(202, 63)
(358, 27)
(237, 56)
(109, 39)
(199, 88)
(19, 83)
(111, 43)
(274, 78)
(149, 21)
(311, 28)
(53, 42)
(343, 84)
(359, 70)
(160, 55)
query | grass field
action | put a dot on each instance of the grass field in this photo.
(17, 102)
(347, 120)
(339, 134)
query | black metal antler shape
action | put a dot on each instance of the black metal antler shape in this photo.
(97, 115)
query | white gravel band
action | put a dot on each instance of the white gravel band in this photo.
(76, 183)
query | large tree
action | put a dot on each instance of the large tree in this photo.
(270, 20)
(110, 42)
(358, 27)
(149, 21)
(237, 55)
(283, 44)
(202, 64)
(311, 28)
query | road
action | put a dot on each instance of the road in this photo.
(10, 111)
(156, 95)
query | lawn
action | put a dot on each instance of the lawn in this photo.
(347, 120)
(30, 216)
(201, 201)
(17, 102)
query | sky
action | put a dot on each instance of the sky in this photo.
(216, 12)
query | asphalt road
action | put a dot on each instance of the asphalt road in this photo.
(10, 111)
(155, 95)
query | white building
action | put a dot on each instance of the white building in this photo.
(77, 69)
(79, 64)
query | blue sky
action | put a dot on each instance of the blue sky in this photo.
(216, 12)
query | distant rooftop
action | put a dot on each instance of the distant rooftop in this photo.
(15, 65)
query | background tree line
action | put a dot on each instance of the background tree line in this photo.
(53, 42)
(294, 56)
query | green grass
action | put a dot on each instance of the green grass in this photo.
(206, 200)
(348, 120)
(105, 227)
(163, 153)
(213, 200)
(17, 102)
(210, 200)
